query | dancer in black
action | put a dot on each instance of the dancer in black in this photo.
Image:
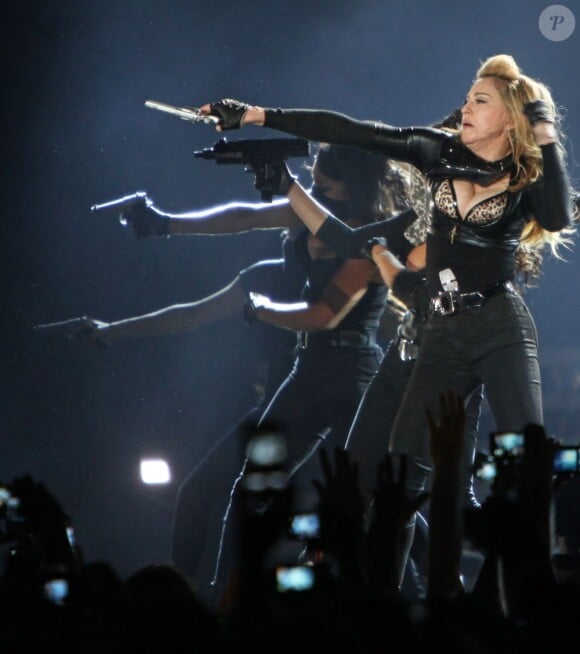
(336, 318)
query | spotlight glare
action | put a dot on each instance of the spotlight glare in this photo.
(155, 471)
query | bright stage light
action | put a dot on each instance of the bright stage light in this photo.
(155, 471)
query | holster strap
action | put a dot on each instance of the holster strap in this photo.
(342, 338)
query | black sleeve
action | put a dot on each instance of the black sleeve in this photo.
(548, 199)
(419, 146)
(347, 242)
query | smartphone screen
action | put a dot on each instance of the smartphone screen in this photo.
(504, 442)
(487, 470)
(566, 460)
(305, 525)
(294, 578)
(265, 449)
(56, 590)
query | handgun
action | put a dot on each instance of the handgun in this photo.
(74, 328)
(125, 202)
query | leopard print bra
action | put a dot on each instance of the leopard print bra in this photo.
(483, 213)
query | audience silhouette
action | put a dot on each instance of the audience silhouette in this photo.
(347, 598)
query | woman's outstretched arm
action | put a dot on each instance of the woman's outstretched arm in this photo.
(146, 220)
(415, 145)
(346, 241)
(173, 319)
(339, 297)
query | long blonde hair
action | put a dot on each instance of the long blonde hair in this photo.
(516, 90)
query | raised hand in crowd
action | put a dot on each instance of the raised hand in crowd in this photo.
(392, 510)
(526, 573)
(341, 509)
(446, 442)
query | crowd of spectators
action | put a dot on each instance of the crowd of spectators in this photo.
(345, 596)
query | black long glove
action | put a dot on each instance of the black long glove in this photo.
(230, 113)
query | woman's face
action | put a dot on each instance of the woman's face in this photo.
(331, 188)
(485, 119)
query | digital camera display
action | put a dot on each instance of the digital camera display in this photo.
(56, 590)
(10, 506)
(294, 578)
(507, 442)
(566, 460)
(487, 470)
(267, 449)
(305, 525)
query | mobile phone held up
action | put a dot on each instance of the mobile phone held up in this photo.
(506, 442)
(294, 578)
(305, 526)
(567, 460)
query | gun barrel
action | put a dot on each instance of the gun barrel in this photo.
(219, 156)
(191, 114)
(61, 323)
(127, 199)
(255, 150)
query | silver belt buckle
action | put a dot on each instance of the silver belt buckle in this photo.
(444, 304)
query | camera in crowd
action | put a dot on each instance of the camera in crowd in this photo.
(11, 516)
(265, 468)
(305, 526)
(276, 519)
(506, 449)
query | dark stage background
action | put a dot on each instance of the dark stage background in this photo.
(75, 132)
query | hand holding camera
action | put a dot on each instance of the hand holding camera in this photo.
(507, 451)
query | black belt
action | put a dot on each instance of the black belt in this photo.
(342, 338)
(448, 302)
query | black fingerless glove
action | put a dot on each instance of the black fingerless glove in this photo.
(538, 111)
(230, 113)
(145, 220)
(367, 248)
